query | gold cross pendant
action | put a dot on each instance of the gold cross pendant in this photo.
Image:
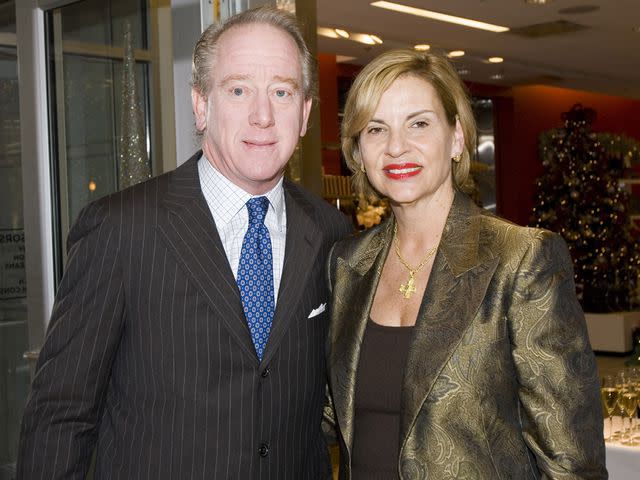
(408, 288)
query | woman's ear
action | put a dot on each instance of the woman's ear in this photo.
(457, 146)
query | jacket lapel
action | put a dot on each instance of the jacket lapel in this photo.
(188, 229)
(354, 287)
(457, 285)
(304, 239)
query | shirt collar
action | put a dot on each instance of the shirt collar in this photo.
(230, 199)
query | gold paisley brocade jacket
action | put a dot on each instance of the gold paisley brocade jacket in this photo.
(500, 381)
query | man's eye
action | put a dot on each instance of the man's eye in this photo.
(282, 93)
(237, 91)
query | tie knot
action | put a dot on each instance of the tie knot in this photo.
(257, 207)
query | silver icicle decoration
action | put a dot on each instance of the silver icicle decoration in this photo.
(134, 164)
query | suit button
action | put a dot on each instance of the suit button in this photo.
(265, 373)
(263, 450)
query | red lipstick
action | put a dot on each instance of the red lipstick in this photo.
(400, 171)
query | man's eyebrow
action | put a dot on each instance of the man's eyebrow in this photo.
(277, 79)
(232, 78)
(291, 81)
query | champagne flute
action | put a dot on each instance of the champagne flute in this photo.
(628, 403)
(609, 396)
(634, 379)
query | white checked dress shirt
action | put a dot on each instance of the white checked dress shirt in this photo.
(227, 203)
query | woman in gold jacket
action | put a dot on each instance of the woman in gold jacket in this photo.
(457, 348)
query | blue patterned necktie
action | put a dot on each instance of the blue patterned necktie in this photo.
(255, 275)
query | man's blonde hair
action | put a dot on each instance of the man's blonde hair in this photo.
(206, 47)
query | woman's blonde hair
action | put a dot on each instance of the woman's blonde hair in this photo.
(376, 77)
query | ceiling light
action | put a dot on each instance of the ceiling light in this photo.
(366, 38)
(342, 33)
(421, 12)
(344, 58)
(537, 2)
(327, 32)
(495, 59)
(636, 29)
(456, 53)
(422, 47)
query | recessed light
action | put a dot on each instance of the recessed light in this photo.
(342, 33)
(366, 38)
(495, 59)
(456, 53)
(537, 2)
(422, 47)
(442, 17)
(636, 29)
(327, 32)
(344, 58)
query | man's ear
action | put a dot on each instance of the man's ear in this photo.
(199, 103)
(306, 110)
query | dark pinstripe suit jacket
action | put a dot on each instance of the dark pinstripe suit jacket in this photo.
(148, 355)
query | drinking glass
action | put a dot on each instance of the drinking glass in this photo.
(609, 396)
(628, 403)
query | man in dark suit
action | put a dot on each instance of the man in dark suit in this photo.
(187, 336)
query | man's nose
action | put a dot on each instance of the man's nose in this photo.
(261, 114)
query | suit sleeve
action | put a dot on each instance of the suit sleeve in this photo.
(560, 413)
(63, 411)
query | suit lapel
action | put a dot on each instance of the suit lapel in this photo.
(304, 239)
(457, 285)
(355, 284)
(188, 229)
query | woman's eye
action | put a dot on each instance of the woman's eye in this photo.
(420, 124)
(374, 130)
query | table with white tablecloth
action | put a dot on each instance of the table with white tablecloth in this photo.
(623, 462)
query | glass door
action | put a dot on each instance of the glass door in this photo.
(14, 339)
(99, 75)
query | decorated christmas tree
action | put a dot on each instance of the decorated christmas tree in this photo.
(580, 196)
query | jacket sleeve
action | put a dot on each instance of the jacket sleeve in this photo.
(328, 415)
(64, 407)
(560, 412)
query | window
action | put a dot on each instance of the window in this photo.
(87, 48)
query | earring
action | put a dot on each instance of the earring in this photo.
(457, 158)
(362, 168)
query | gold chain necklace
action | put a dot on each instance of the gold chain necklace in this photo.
(409, 288)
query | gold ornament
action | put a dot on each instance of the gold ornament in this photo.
(409, 288)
